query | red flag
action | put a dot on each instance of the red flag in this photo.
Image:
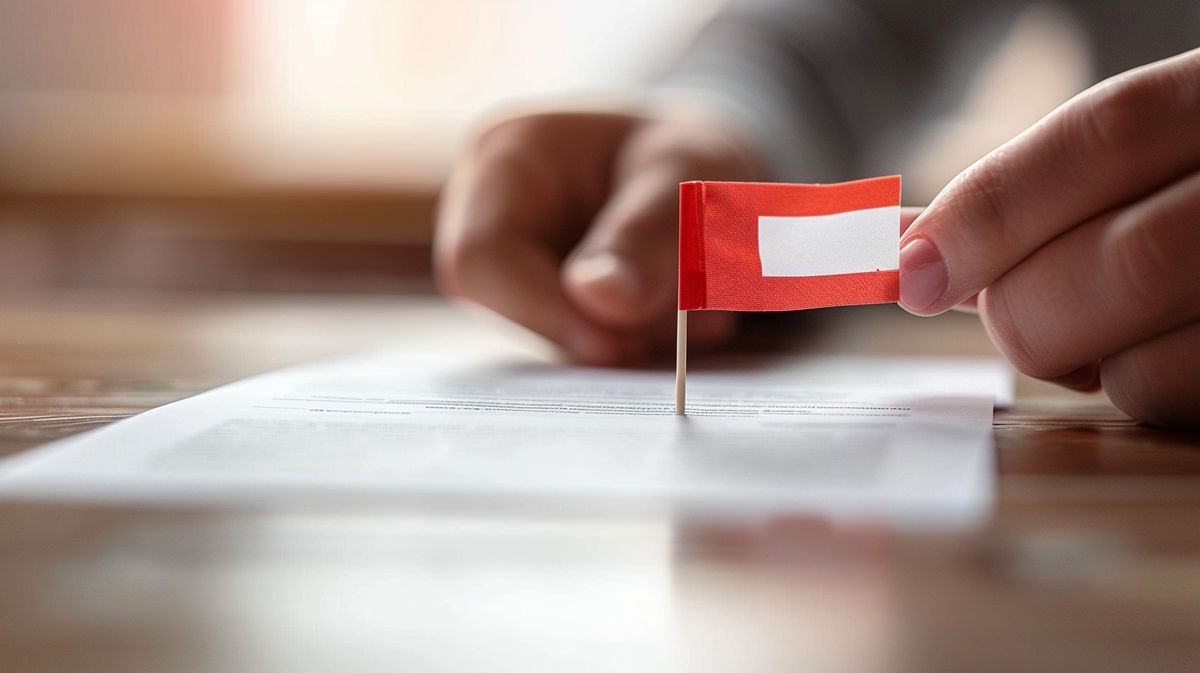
(751, 246)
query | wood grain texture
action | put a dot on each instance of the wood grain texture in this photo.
(1091, 561)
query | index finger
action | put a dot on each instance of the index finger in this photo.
(1112, 143)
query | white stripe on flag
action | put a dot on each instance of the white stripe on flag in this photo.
(824, 245)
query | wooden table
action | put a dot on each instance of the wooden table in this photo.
(1090, 563)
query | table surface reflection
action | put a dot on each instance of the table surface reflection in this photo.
(1091, 561)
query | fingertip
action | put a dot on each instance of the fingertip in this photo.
(606, 287)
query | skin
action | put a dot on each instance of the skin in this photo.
(565, 223)
(1078, 241)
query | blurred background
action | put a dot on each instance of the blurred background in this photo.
(299, 145)
(284, 157)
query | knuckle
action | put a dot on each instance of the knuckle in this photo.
(1107, 120)
(648, 202)
(1142, 266)
(509, 135)
(687, 152)
(982, 206)
(1117, 113)
(1010, 331)
(653, 143)
(454, 260)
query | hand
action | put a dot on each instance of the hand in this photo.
(567, 224)
(1080, 241)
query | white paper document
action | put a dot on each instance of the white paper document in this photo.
(906, 441)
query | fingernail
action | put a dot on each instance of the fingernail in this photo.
(609, 270)
(923, 279)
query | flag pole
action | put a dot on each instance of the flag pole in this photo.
(680, 363)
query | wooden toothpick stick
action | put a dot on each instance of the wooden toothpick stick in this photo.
(681, 363)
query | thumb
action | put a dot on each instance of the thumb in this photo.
(623, 273)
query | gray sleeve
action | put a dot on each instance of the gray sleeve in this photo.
(820, 86)
(834, 89)
(1124, 35)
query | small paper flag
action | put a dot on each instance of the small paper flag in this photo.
(750, 246)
